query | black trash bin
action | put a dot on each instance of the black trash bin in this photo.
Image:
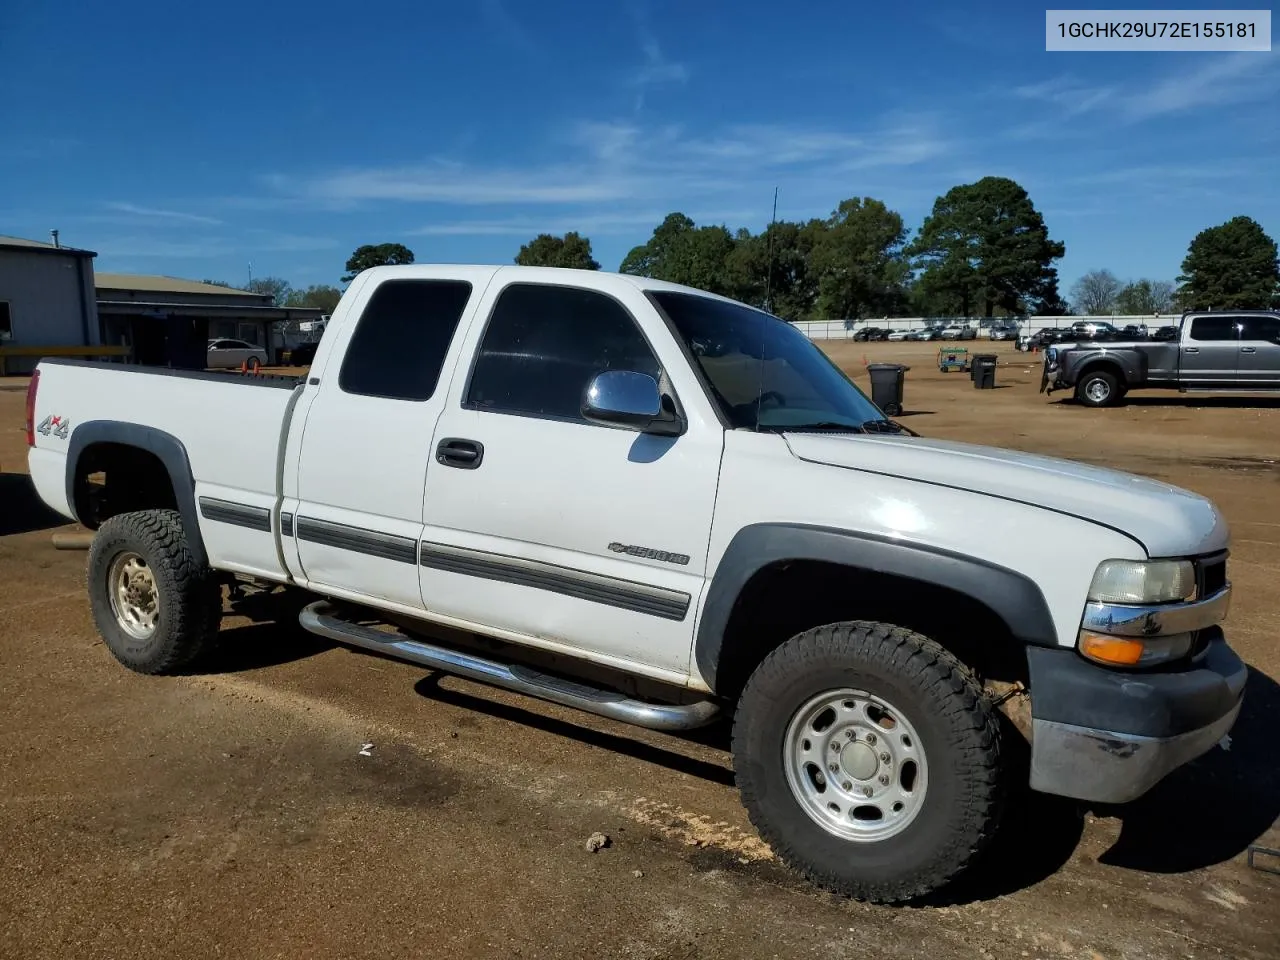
(983, 371)
(886, 386)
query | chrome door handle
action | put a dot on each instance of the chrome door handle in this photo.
(1248, 349)
(1190, 349)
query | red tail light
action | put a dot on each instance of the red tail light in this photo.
(31, 408)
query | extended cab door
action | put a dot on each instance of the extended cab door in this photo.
(563, 532)
(1210, 347)
(366, 439)
(1259, 364)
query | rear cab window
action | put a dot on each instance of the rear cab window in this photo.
(398, 348)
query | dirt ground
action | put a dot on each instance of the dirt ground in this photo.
(232, 813)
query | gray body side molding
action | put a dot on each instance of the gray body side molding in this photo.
(1013, 597)
(167, 448)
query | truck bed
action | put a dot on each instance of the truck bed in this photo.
(232, 431)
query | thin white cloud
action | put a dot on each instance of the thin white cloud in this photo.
(156, 213)
(657, 68)
(445, 183)
(1218, 83)
(1072, 97)
(1215, 84)
(630, 165)
(594, 225)
(211, 246)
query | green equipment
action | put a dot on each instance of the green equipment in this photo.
(953, 358)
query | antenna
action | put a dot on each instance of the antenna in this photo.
(768, 276)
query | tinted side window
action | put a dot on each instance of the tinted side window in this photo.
(543, 346)
(1213, 328)
(401, 339)
(1261, 328)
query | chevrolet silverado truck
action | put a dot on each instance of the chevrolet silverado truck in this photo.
(665, 507)
(1229, 350)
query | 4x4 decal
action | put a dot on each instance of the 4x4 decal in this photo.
(57, 426)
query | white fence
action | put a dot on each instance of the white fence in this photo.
(843, 330)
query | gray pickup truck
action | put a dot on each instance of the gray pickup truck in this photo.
(1215, 351)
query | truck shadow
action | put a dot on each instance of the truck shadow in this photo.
(23, 511)
(429, 687)
(273, 637)
(1181, 400)
(1210, 810)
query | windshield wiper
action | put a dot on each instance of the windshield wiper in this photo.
(828, 426)
(887, 426)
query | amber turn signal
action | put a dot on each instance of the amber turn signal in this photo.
(1119, 651)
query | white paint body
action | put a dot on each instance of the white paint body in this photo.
(560, 493)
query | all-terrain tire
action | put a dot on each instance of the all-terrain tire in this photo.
(188, 596)
(959, 732)
(1098, 388)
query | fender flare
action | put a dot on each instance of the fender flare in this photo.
(1014, 598)
(1129, 367)
(167, 448)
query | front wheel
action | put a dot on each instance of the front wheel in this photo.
(869, 760)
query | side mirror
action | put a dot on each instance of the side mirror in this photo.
(628, 399)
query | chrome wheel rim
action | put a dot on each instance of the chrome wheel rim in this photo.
(1097, 390)
(856, 765)
(135, 600)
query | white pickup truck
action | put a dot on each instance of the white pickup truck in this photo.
(665, 507)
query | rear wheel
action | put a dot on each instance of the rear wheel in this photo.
(1097, 388)
(869, 760)
(155, 607)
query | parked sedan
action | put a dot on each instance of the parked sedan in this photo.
(231, 354)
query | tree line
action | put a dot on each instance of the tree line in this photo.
(1232, 266)
(983, 250)
(320, 296)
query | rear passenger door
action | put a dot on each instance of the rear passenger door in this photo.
(1209, 351)
(567, 533)
(366, 441)
(1259, 364)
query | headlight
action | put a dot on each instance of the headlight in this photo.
(1137, 582)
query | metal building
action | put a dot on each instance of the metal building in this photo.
(46, 301)
(168, 321)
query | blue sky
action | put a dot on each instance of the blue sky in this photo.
(191, 140)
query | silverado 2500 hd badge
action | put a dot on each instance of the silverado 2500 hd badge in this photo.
(649, 553)
(58, 426)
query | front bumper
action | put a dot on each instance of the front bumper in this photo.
(1109, 736)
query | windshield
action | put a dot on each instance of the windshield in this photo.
(764, 373)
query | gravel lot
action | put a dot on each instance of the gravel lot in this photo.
(231, 812)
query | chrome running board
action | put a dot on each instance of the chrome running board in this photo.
(321, 618)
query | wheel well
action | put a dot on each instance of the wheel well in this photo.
(789, 597)
(1103, 366)
(113, 478)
